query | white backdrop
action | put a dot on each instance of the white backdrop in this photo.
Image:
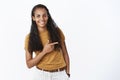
(91, 27)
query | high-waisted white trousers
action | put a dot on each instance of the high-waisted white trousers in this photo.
(44, 75)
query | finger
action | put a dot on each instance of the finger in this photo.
(53, 43)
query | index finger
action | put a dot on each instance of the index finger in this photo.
(53, 43)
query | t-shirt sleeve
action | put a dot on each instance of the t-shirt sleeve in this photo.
(62, 35)
(26, 42)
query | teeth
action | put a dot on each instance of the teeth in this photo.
(42, 22)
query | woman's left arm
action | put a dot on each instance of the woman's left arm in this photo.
(66, 57)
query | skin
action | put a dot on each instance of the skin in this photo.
(41, 18)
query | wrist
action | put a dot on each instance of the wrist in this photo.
(43, 52)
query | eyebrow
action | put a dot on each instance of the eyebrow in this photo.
(42, 14)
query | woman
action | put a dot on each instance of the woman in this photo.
(47, 41)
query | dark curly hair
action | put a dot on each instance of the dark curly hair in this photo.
(35, 43)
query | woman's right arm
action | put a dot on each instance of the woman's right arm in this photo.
(30, 61)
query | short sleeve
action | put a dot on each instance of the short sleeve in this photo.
(26, 42)
(62, 35)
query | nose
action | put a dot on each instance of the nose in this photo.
(41, 18)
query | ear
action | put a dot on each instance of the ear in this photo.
(33, 18)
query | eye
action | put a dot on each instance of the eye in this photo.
(38, 16)
(45, 15)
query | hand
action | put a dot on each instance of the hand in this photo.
(68, 74)
(49, 47)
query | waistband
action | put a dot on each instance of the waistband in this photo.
(55, 70)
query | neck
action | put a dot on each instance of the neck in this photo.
(42, 29)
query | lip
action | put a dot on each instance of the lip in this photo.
(41, 22)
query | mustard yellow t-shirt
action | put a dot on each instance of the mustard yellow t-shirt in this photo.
(52, 60)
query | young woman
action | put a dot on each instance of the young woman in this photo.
(47, 41)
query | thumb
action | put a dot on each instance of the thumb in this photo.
(47, 42)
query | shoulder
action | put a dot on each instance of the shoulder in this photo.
(26, 41)
(61, 33)
(27, 36)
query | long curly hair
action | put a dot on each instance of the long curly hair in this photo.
(35, 43)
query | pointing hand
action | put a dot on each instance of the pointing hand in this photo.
(49, 47)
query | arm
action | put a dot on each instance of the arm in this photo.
(66, 57)
(30, 61)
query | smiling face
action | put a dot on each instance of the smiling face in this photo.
(40, 17)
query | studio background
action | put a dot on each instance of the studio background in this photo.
(91, 28)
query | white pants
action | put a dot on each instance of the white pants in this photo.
(44, 75)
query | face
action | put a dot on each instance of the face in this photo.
(40, 17)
